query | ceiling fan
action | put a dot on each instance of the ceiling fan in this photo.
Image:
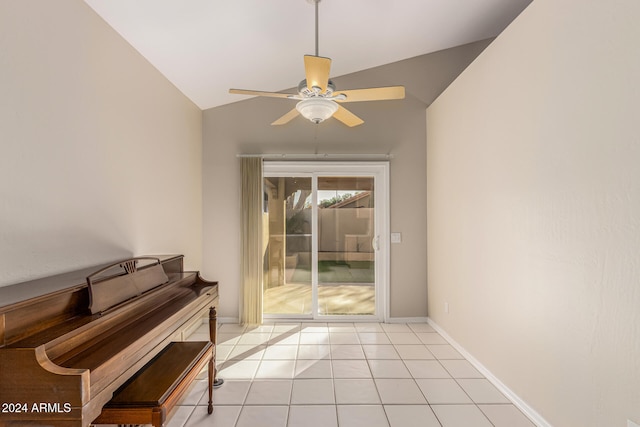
(317, 96)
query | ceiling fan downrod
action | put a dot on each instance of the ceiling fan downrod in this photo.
(315, 3)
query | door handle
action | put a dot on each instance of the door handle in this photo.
(375, 243)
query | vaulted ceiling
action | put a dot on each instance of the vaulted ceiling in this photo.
(205, 47)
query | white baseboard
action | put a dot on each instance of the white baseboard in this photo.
(407, 320)
(531, 413)
(233, 320)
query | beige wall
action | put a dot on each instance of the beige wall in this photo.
(396, 127)
(100, 154)
(533, 192)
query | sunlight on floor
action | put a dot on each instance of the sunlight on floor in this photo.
(332, 299)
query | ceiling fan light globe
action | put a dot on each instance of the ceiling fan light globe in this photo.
(317, 109)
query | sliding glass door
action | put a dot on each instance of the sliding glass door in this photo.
(346, 256)
(287, 260)
(323, 254)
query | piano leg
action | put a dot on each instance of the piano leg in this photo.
(213, 320)
(213, 333)
(210, 387)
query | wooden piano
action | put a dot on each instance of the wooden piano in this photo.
(69, 341)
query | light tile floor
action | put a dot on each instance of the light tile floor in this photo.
(346, 375)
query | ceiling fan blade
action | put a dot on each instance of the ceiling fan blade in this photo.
(261, 93)
(286, 118)
(317, 71)
(347, 117)
(371, 94)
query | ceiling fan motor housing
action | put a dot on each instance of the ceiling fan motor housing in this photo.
(304, 91)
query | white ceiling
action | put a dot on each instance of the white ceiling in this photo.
(205, 47)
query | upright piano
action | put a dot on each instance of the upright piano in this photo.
(67, 342)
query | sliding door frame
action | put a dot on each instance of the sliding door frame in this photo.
(379, 170)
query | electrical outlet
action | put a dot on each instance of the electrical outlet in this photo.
(446, 307)
(632, 424)
(396, 237)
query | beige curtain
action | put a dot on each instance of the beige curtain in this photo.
(252, 195)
